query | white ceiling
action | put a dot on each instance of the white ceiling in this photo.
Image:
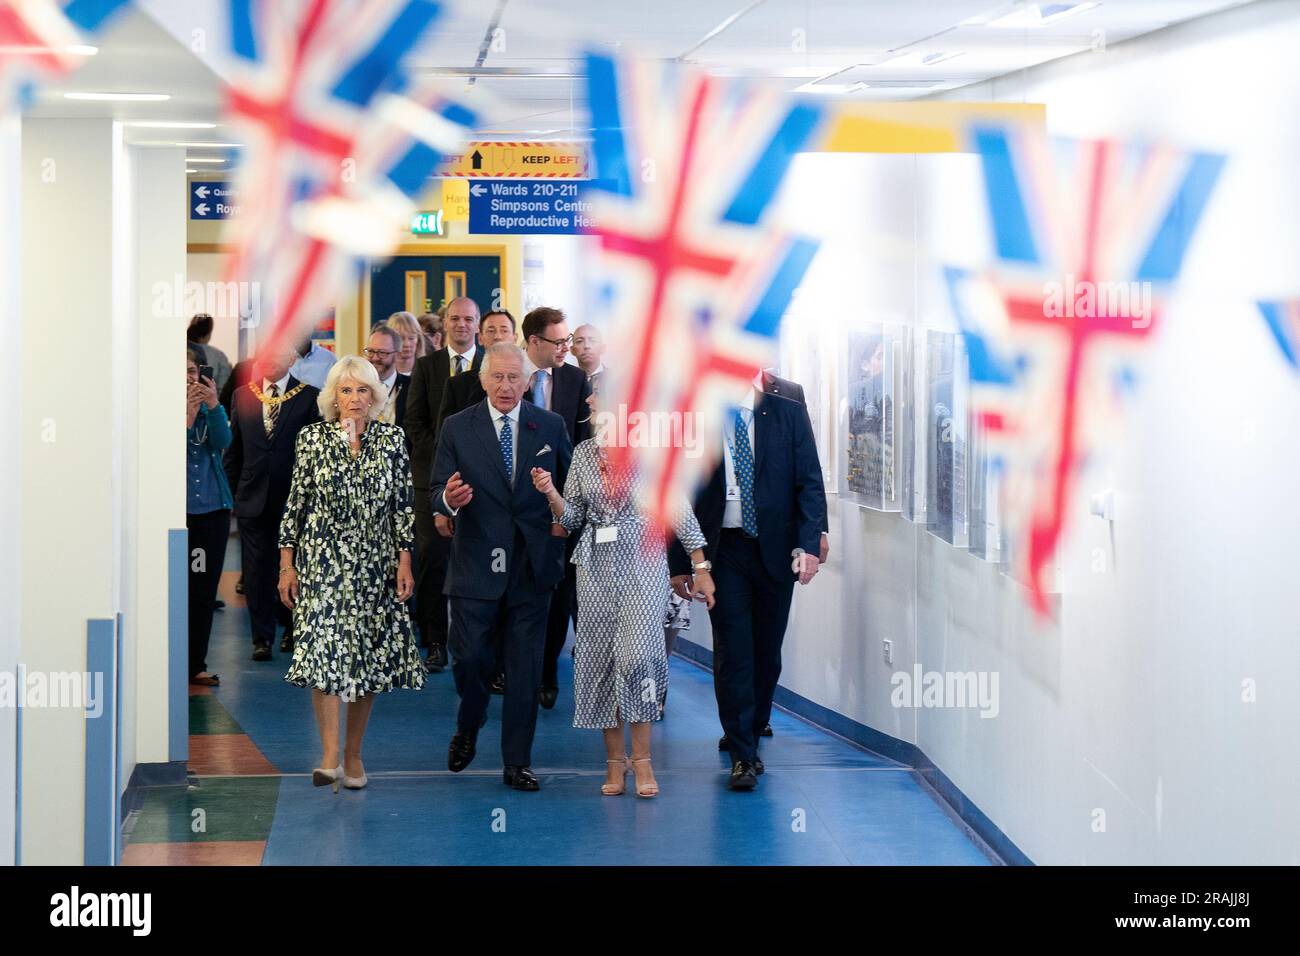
(786, 42)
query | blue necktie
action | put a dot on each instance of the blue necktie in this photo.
(538, 377)
(508, 446)
(743, 462)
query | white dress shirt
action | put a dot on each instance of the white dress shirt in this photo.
(498, 419)
(389, 414)
(731, 516)
(468, 356)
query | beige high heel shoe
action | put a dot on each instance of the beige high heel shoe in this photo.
(608, 788)
(650, 789)
(326, 778)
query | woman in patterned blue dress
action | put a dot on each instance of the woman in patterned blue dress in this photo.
(619, 661)
(345, 564)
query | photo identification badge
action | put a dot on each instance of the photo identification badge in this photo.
(606, 535)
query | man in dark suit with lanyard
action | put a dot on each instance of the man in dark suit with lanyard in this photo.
(563, 389)
(424, 397)
(269, 411)
(762, 511)
(505, 558)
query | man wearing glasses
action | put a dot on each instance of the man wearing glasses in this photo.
(381, 351)
(563, 389)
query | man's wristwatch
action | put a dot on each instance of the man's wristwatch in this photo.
(703, 566)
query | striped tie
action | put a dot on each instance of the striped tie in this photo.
(272, 411)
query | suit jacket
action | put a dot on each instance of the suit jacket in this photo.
(259, 468)
(772, 385)
(788, 492)
(462, 392)
(468, 444)
(570, 389)
(424, 398)
(401, 388)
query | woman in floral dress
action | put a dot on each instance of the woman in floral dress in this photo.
(620, 666)
(345, 564)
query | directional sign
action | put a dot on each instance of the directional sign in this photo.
(527, 208)
(213, 199)
(455, 200)
(518, 161)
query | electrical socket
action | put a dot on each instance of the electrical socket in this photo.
(889, 652)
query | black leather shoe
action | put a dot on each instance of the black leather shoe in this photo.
(743, 776)
(218, 605)
(521, 778)
(261, 652)
(286, 644)
(498, 685)
(766, 731)
(547, 696)
(758, 765)
(239, 585)
(436, 662)
(723, 743)
(462, 750)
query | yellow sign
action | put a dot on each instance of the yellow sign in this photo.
(925, 126)
(518, 161)
(455, 200)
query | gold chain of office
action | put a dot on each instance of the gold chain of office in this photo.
(278, 399)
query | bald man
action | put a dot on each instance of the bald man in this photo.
(424, 397)
(589, 352)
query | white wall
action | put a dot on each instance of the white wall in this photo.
(153, 338)
(1132, 704)
(68, 451)
(11, 579)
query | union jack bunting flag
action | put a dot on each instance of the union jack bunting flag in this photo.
(693, 273)
(323, 161)
(44, 39)
(1283, 320)
(1088, 236)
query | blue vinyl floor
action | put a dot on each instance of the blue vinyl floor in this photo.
(821, 801)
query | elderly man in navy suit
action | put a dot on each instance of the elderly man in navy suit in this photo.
(763, 512)
(505, 554)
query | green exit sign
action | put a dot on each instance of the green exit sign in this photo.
(427, 223)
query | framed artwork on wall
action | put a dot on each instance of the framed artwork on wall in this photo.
(946, 433)
(870, 416)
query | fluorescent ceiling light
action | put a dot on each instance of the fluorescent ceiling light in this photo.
(191, 170)
(1039, 14)
(165, 124)
(203, 159)
(210, 145)
(120, 97)
(829, 89)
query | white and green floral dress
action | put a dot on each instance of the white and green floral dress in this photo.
(346, 519)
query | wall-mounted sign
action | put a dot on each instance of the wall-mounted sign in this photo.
(518, 161)
(502, 206)
(213, 199)
(455, 200)
(427, 223)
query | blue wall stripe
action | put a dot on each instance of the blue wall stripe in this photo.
(1165, 257)
(101, 785)
(1011, 231)
(881, 743)
(608, 146)
(759, 188)
(21, 686)
(178, 644)
(117, 745)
